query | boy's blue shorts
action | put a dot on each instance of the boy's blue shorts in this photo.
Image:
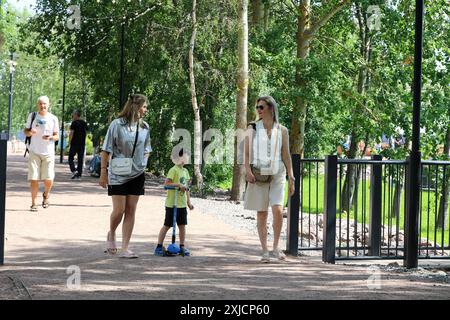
(181, 217)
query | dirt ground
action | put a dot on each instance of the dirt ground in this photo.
(44, 249)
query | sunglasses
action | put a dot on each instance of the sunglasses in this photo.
(260, 107)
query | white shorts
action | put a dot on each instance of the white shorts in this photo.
(41, 167)
(259, 196)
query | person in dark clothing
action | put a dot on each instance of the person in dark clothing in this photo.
(77, 140)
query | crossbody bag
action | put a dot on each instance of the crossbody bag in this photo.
(124, 166)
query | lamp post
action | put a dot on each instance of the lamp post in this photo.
(3, 150)
(414, 164)
(122, 67)
(31, 92)
(61, 138)
(12, 68)
(4, 137)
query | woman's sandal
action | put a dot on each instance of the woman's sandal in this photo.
(128, 255)
(111, 246)
(45, 203)
(33, 208)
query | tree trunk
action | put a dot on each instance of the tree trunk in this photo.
(352, 177)
(257, 13)
(197, 130)
(251, 112)
(445, 191)
(305, 33)
(241, 96)
(398, 188)
(360, 172)
(357, 180)
(349, 182)
(303, 48)
(2, 40)
(266, 15)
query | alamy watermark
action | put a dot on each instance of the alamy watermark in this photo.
(374, 18)
(374, 281)
(74, 280)
(265, 151)
(73, 21)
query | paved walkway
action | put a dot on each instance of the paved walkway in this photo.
(41, 248)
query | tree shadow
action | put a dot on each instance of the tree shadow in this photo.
(219, 268)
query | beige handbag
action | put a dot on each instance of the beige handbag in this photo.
(262, 178)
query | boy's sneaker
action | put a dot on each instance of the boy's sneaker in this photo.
(265, 258)
(160, 251)
(185, 252)
(279, 254)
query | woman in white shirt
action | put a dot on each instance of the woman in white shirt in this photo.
(267, 149)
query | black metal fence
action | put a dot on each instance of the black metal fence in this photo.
(434, 218)
(355, 209)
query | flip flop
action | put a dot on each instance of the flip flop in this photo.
(33, 208)
(128, 255)
(111, 246)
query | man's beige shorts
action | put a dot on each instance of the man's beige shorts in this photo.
(258, 196)
(41, 167)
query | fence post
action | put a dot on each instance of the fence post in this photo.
(412, 196)
(329, 230)
(3, 155)
(414, 168)
(294, 210)
(375, 207)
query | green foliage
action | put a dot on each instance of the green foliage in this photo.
(33, 76)
(89, 145)
(312, 203)
(156, 63)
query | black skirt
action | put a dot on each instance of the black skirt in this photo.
(134, 187)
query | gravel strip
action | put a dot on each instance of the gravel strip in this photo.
(234, 214)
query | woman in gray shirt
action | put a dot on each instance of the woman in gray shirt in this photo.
(128, 136)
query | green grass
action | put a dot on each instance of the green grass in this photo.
(313, 193)
(225, 185)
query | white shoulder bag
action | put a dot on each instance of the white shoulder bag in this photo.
(123, 166)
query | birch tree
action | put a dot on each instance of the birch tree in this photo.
(241, 96)
(197, 125)
(306, 32)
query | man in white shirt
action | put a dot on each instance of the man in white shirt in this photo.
(43, 130)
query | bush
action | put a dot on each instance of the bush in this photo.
(89, 145)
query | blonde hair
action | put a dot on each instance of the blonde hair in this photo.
(130, 111)
(43, 98)
(271, 103)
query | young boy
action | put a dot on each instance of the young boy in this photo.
(178, 177)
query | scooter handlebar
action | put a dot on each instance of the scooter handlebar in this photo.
(173, 188)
